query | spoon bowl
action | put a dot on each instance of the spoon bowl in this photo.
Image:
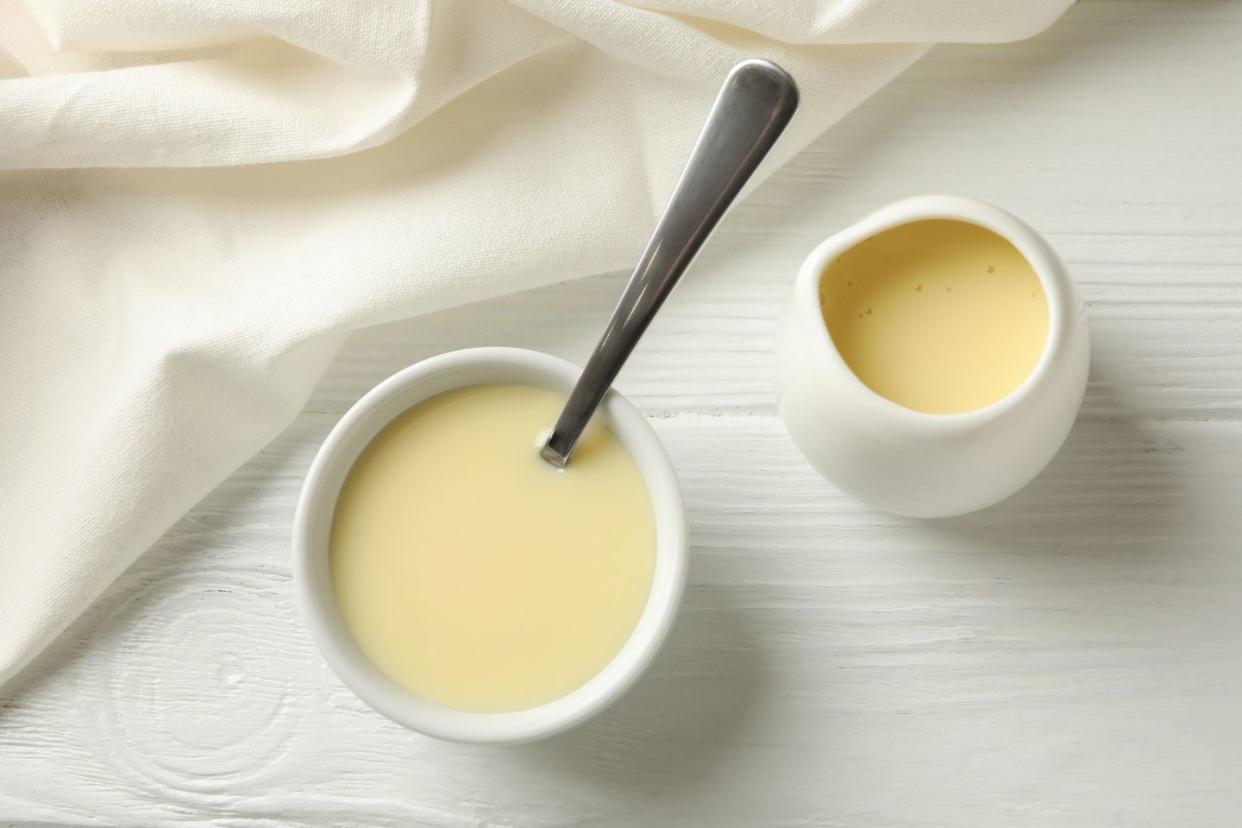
(313, 524)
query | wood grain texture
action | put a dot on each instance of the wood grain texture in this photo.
(1068, 658)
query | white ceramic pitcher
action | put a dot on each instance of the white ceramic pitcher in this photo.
(910, 462)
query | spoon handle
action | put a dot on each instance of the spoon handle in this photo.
(754, 105)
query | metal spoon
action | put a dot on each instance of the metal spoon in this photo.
(754, 105)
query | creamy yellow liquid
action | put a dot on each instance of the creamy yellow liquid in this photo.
(940, 316)
(476, 575)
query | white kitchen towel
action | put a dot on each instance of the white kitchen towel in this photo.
(200, 198)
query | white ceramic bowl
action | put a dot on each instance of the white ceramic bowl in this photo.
(906, 461)
(313, 523)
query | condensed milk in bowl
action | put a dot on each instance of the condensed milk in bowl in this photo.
(464, 587)
(934, 357)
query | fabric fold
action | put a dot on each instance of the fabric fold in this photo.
(204, 198)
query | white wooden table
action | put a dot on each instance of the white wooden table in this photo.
(1070, 658)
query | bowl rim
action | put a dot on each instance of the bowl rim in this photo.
(1053, 277)
(312, 522)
